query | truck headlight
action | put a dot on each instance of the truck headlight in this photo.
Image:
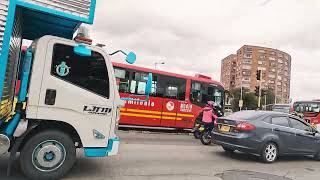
(117, 117)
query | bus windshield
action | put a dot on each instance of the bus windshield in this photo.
(307, 107)
(202, 92)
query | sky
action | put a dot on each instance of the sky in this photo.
(194, 36)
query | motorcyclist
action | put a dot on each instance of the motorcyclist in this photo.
(210, 114)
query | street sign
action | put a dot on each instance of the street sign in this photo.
(240, 103)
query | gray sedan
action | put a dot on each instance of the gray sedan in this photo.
(267, 134)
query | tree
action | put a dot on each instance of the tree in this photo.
(250, 101)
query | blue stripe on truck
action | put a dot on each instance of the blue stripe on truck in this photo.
(6, 43)
(100, 152)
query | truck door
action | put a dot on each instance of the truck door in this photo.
(77, 90)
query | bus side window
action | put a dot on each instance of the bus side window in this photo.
(138, 83)
(122, 79)
(171, 92)
(172, 87)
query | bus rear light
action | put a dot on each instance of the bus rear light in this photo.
(245, 126)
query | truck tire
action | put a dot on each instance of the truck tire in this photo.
(48, 155)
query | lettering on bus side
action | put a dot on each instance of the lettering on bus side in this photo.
(141, 103)
(97, 110)
(186, 107)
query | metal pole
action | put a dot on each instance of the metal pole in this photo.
(241, 91)
(265, 101)
(259, 99)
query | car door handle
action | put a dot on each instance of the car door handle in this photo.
(50, 97)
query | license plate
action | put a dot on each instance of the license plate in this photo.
(225, 128)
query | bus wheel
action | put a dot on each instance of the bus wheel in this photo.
(47, 155)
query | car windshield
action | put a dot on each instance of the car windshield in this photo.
(307, 107)
(245, 115)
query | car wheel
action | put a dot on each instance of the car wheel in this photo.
(229, 150)
(47, 155)
(269, 152)
(317, 157)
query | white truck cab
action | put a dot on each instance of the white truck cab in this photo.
(67, 96)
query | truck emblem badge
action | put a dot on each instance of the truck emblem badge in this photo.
(170, 106)
(97, 110)
(63, 69)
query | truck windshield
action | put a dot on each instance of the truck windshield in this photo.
(307, 107)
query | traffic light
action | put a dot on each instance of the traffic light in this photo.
(263, 92)
(256, 91)
(259, 75)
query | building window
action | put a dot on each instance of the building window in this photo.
(246, 73)
(247, 61)
(246, 67)
(261, 62)
(272, 58)
(247, 55)
(261, 51)
(262, 57)
(280, 61)
(262, 68)
(246, 79)
(272, 76)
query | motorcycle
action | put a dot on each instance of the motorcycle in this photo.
(206, 137)
(198, 129)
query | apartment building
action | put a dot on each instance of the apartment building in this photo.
(274, 64)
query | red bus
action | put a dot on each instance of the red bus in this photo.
(309, 109)
(175, 99)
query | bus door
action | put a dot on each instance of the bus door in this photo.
(169, 106)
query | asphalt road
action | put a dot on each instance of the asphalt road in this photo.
(158, 156)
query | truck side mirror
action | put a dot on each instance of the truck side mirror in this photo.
(149, 85)
(82, 50)
(131, 58)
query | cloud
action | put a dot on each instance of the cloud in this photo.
(193, 36)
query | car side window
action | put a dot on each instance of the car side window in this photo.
(299, 125)
(281, 121)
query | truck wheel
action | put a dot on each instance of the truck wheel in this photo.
(48, 155)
